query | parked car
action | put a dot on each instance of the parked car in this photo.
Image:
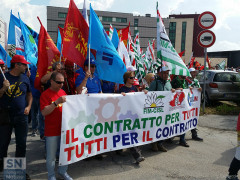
(221, 85)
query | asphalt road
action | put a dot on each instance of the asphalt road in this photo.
(207, 160)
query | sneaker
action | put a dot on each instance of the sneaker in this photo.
(196, 138)
(154, 147)
(183, 143)
(52, 178)
(42, 138)
(65, 176)
(27, 177)
(140, 159)
(34, 133)
(161, 148)
(232, 177)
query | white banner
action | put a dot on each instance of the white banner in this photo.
(97, 123)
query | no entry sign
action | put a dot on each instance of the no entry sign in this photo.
(207, 20)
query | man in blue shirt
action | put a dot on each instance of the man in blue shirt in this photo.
(88, 79)
(19, 105)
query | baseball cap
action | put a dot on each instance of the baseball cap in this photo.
(131, 68)
(191, 69)
(164, 68)
(1, 62)
(19, 59)
(91, 62)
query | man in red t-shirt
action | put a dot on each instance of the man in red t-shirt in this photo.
(51, 107)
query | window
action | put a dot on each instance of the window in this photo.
(62, 15)
(172, 33)
(135, 32)
(61, 25)
(106, 19)
(121, 20)
(183, 41)
(135, 22)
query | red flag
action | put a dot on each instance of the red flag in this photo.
(191, 62)
(123, 34)
(201, 68)
(181, 53)
(75, 36)
(197, 64)
(47, 55)
(209, 64)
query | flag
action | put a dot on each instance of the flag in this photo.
(75, 36)
(59, 38)
(115, 38)
(123, 34)
(191, 62)
(15, 36)
(30, 46)
(181, 53)
(4, 56)
(110, 34)
(110, 67)
(208, 63)
(122, 51)
(222, 64)
(84, 13)
(47, 55)
(166, 52)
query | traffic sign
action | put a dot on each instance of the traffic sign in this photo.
(206, 38)
(206, 20)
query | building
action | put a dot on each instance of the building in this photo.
(3, 33)
(145, 25)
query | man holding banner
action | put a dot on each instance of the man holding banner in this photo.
(51, 107)
(161, 84)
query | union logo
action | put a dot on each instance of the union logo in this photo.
(177, 99)
(68, 35)
(153, 104)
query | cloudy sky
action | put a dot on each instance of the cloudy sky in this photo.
(227, 28)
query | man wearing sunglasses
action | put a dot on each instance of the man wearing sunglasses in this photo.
(51, 102)
(15, 95)
(88, 79)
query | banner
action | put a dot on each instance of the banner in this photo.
(97, 123)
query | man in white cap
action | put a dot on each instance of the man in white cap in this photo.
(194, 83)
(161, 83)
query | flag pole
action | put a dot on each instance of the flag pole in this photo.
(89, 58)
(61, 53)
(3, 73)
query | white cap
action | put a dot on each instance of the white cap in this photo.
(191, 69)
(164, 68)
(131, 68)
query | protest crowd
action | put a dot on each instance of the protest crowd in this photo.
(32, 92)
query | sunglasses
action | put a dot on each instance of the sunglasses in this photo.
(131, 77)
(92, 66)
(59, 82)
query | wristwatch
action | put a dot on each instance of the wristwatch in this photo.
(54, 103)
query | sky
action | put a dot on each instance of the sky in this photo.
(226, 29)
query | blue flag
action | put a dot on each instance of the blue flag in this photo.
(115, 38)
(15, 36)
(59, 41)
(30, 46)
(110, 66)
(4, 56)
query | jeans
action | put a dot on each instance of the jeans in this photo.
(20, 124)
(37, 118)
(52, 144)
(182, 138)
